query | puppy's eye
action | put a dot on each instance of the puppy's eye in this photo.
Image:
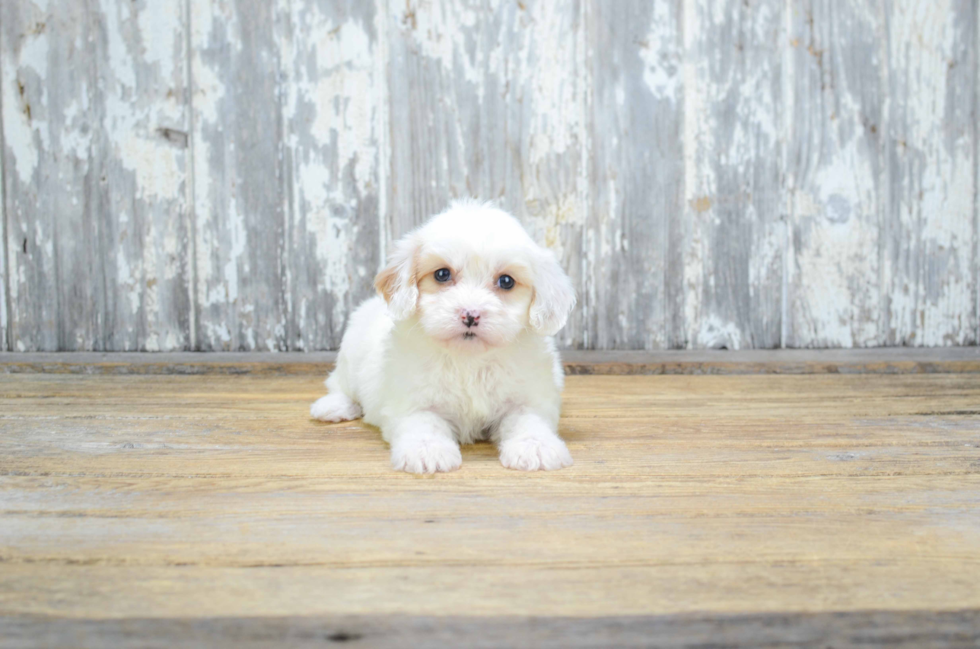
(444, 275)
(505, 282)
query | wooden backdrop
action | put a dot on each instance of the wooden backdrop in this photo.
(227, 174)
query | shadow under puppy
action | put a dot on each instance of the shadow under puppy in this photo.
(457, 346)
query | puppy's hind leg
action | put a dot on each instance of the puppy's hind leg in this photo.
(336, 406)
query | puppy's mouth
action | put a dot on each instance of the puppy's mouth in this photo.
(469, 335)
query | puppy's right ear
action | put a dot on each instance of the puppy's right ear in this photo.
(396, 282)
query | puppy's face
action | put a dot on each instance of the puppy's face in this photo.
(474, 280)
(469, 300)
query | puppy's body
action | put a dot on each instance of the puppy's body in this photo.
(414, 367)
(391, 371)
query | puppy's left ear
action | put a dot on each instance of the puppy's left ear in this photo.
(554, 296)
(396, 282)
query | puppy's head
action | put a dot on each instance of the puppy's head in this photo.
(474, 280)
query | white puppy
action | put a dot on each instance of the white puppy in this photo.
(462, 349)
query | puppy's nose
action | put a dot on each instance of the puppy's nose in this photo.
(470, 318)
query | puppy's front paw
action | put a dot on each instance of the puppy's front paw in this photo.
(535, 452)
(336, 406)
(426, 454)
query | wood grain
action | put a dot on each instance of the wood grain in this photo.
(946, 360)
(932, 160)
(228, 176)
(4, 274)
(825, 501)
(908, 629)
(333, 75)
(633, 253)
(838, 194)
(239, 211)
(489, 100)
(95, 134)
(733, 102)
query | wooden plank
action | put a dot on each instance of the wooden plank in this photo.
(692, 498)
(334, 120)
(489, 100)
(95, 125)
(734, 239)
(835, 174)
(266, 363)
(956, 360)
(829, 187)
(239, 208)
(931, 150)
(903, 629)
(873, 361)
(4, 280)
(633, 254)
(144, 123)
(48, 195)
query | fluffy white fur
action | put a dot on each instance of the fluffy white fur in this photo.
(408, 366)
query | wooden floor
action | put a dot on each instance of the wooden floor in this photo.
(803, 510)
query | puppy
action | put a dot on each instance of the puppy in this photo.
(457, 346)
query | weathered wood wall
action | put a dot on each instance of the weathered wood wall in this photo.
(227, 174)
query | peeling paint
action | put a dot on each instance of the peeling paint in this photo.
(23, 129)
(660, 54)
(4, 243)
(701, 204)
(710, 172)
(332, 126)
(834, 279)
(715, 333)
(732, 276)
(929, 272)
